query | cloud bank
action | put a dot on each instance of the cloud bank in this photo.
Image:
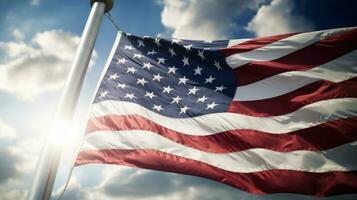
(121, 183)
(205, 20)
(210, 19)
(10, 174)
(6, 131)
(276, 18)
(18, 154)
(41, 65)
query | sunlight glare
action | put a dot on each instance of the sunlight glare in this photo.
(63, 132)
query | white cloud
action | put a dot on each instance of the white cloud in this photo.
(6, 131)
(276, 18)
(17, 34)
(29, 69)
(122, 183)
(207, 20)
(8, 163)
(18, 160)
(35, 2)
(28, 150)
(12, 194)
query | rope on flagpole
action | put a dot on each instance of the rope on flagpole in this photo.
(109, 16)
(59, 197)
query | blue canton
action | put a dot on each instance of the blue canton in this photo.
(175, 78)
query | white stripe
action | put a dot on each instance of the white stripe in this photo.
(237, 41)
(308, 116)
(341, 158)
(280, 48)
(340, 69)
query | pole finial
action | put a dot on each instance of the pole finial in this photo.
(108, 4)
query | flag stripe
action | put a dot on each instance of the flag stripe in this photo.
(335, 133)
(314, 92)
(251, 44)
(281, 47)
(305, 117)
(272, 181)
(340, 158)
(340, 69)
(235, 42)
(303, 59)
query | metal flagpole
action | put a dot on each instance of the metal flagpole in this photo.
(47, 164)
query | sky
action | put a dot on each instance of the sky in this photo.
(38, 40)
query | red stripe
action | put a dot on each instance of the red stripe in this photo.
(287, 103)
(270, 181)
(306, 58)
(254, 44)
(335, 133)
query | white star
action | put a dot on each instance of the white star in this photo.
(192, 90)
(216, 63)
(147, 65)
(183, 80)
(188, 47)
(176, 99)
(138, 55)
(198, 70)
(121, 85)
(130, 96)
(211, 106)
(122, 61)
(150, 95)
(152, 52)
(131, 70)
(141, 81)
(157, 77)
(113, 76)
(141, 43)
(167, 89)
(161, 60)
(220, 88)
(185, 61)
(200, 54)
(103, 94)
(172, 52)
(202, 99)
(157, 107)
(157, 42)
(183, 110)
(172, 69)
(176, 41)
(209, 79)
(128, 47)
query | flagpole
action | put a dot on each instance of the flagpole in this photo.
(46, 169)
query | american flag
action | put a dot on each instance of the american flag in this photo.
(264, 115)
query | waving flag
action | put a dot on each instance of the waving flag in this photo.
(265, 115)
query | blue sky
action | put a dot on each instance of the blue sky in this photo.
(37, 42)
